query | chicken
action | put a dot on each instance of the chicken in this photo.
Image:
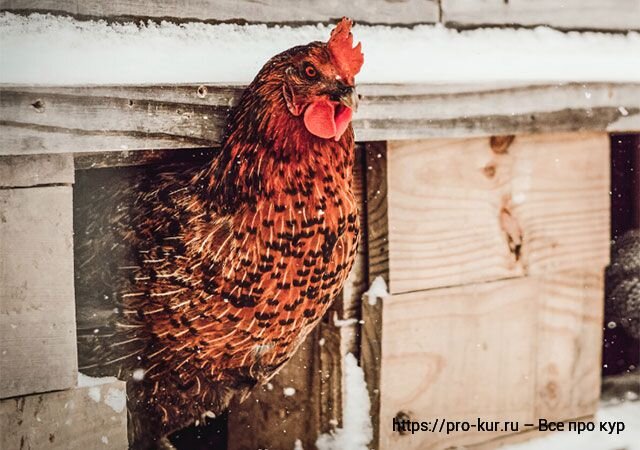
(197, 282)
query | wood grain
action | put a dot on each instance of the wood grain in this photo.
(462, 352)
(620, 15)
(461, 211)
(357, 282)
(271, 419)
(37, 308)
(515, 350)
(288, 11)
(66, 420)
(117, 118)
(36, 170)
(377, 266)
(569, 339)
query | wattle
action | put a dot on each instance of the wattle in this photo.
(326, 119)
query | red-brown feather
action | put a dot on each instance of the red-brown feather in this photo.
(232, 264)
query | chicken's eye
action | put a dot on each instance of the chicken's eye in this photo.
(310, 71)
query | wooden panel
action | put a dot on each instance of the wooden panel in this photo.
(569, 14)
(289, 11)
(377, 266)
(35, 170)
(286, 409)
(37, 312)
(463, 352)
(513, 350)
(570, 318)
(463, 211)
(116, 118)
(357, 282)
(75, 419)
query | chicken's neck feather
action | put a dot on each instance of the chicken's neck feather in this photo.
(267, 150)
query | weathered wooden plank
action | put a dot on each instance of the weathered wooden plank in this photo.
(357, 282)
(377, 248)
(288, 11)
(618, 15)
(89, 119)
(76, 419)
(511, 350)
(37, 307)
(36, 170)
(286, 409)
(463, 211)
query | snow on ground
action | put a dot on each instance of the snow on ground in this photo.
(43, 49)
(629, 439)
(356, 431)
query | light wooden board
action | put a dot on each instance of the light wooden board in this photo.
(37, 306)
(513, 350)
(462, 211)
(76, 419)
(288, 11)
(117, 118)
(618, 15)
(36, 170)
(569, 340)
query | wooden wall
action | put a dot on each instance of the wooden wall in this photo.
(37, 318)
(616, 15)
(270, 11)
(48, 119)
(493, 249)
(565, 14)
(496, 251)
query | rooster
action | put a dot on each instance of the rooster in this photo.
(219, 270)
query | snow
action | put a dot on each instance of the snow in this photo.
(116, 399)
(343, 322)
(44, 49)
(289, 392)
(629, 439)
(377, 290)
(356, 431)
(298, 445)
(138, 374)
(94, 394)
(87, 381)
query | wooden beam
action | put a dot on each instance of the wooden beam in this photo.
(616, 15)
(470, 210)
(377, 248)
(270, 11)
(117, 118)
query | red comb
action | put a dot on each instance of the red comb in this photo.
(348, 59)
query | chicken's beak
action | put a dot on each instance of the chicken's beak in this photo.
(349, 98)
